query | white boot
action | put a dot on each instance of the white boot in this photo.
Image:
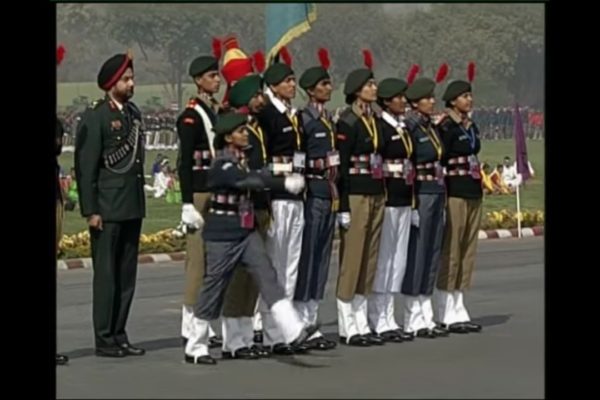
(346, 319)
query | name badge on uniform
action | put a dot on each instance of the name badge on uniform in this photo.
(333, 158)
(439, 173)
(321, 134)
(474, 168)
(299, 161)
(376, 166)
(287, 129)
(246, 212)
(409, 172)
(424, 139)
(463, 137)
(395, 137)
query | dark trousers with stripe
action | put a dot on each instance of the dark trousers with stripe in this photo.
(425, 246)
(222, 259)
(317, 241)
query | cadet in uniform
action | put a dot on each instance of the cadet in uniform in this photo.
(398, 171)
(362, 204)
(242, 294)
(425, 242)
(322, 199)
(230, 237)
(109, 160)
(283, 130)
(463, 182)
(194, 129)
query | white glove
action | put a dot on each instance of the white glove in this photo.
(343, 220)
(191, 217)
(414, 218)
(294, 183)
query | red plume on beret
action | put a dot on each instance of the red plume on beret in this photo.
(368, 58)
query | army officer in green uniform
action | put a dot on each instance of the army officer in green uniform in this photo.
(109, 159)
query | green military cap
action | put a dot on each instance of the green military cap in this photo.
(391, 87)
(244, 89)
(455, 89)
(421, 87)
(356, 79)
(203, 64)
(312, 76)
(228, 122)
(112, 70)
(277, 72)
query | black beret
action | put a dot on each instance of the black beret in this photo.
(203, 64)
(455, 89)
(277, 72)
(391, 87)
(422, 87)
(244, 89)
(312, 76)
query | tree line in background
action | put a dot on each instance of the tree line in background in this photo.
(505, 40)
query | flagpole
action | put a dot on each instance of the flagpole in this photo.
(518, 210)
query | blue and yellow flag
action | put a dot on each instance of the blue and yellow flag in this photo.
(285, 22)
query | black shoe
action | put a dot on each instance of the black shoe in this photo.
(301, 348)
(306, 332)
(391, 336)
(261, 351)
(208, 360)
(132, 351)
(355, 340)
(406, 336)
(215, 341)
(457, 327)
(472, 327)
(282, 349)
(321, 343)
(61, 359)
(258, 336)
(110, 352)
(245, 353)
(374, 339)
(441, 332)
(184, 341)
(426, 333)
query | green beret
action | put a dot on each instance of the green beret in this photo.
(455, 89)
(112, 70)
(277, 72)
(356, 79)
(390, 88)
(203, 64)
(312, 76)
(228, 122)
(244, 89)
(422, 87)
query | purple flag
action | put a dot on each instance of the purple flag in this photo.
(521, 146)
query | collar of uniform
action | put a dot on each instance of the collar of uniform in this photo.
(208, 100)
(392, 120)
(278, 103)
(237, 155)
(317, 110)
(364, 110)
(423, 119)
(114, 102)
(459, 119)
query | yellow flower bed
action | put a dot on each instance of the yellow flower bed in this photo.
(165, 241)
(505, 219)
